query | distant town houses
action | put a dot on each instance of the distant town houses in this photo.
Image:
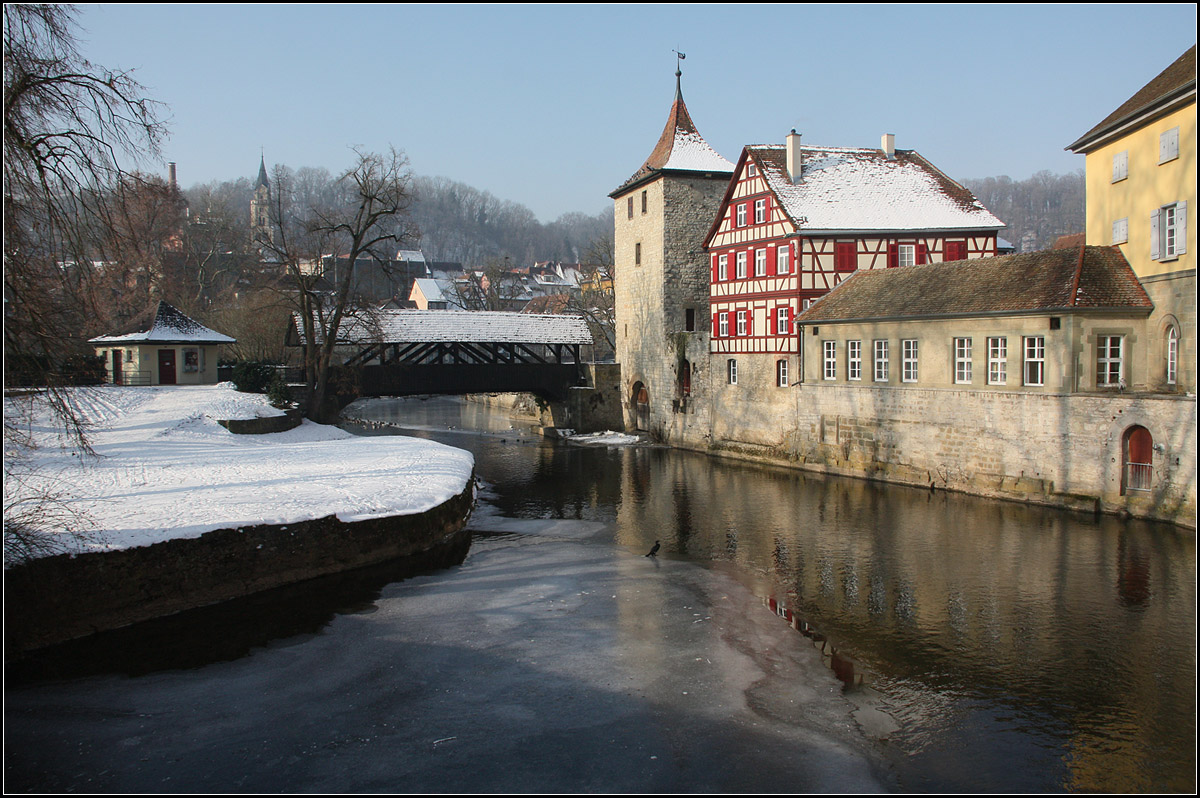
(855, 310)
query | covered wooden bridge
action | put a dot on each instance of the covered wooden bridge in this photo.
(412, 352)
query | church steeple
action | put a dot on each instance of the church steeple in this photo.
(260, 206)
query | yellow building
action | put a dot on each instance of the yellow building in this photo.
(1141, 181)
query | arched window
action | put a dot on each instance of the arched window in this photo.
(641, 407)
(1172, 355)
(1137, 459)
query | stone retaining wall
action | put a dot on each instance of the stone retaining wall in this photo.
(55, 599)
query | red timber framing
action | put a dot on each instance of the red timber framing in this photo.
(786, 270)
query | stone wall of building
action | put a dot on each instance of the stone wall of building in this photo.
(1174, 298)
(1055, 449)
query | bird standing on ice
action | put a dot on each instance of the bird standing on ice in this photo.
(653, 550)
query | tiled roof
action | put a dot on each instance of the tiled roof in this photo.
(680, 147)
(1171, 84)
(1050, 280)
(845, 188)
(167, 325)
(462, 326)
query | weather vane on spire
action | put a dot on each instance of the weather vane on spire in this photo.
(678, 57)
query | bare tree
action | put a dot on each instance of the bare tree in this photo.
(360, 219)
(68, 125)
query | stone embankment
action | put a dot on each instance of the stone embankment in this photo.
(56, 599)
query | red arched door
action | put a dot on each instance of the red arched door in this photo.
(1139, 458)
(641, 406)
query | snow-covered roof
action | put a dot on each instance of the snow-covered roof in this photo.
(679, 148)
(845, 188)
(169, 326)
(462, 326)
(430, 289)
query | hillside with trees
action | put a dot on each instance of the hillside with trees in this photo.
(1038, 210)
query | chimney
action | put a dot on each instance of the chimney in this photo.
(171, 174)
(795, 162)
(888, 144)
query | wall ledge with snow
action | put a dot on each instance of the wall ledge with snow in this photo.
(56, 599)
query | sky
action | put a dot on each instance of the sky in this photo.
(554, 106)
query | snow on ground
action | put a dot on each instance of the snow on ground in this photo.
(609, 438)
(164, 468)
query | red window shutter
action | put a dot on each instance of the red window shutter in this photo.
(922, 253)
(893, 255)
(716, 330)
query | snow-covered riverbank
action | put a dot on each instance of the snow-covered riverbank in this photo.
(164, 468)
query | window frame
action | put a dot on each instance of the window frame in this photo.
(854, 360)
(760, 262)
(741, 215)
(1172, 355)
(1110, 368)
(963, 361)
(731, 370)
(880, 359)
(781, 373)
(760, 211)
(910, 250)
(1035, 361)
(783, 260)
(997, 348)
(910, 360)
(723, 324)
(722, 267)
(782, 312)
(740, 272)
(829, 360)
(742, 325)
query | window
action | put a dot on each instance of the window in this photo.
(1168, 145)
(962, 361)
(741, 215)
(881, 361)
(782, 266)
(1168, 231)
(643, 202)
(854, 360)
(781, 373)
(1109, 361)
(741, 322)
(731, 370)
(689, 319)
(760, 211)
(808, 303)
(637, 254)
(723, 267)
(908, 254)
(751, 170)
(829, 359)
(723, 321)
(1120, 231)
(909, 360)
(845, 257)
(629, 206)
(741, 265)
(1172, 355)
(997, 361)
(760, 263)
(1035, 360)
(781, 320)
(1120, 166)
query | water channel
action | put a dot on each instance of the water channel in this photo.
(1015, 648)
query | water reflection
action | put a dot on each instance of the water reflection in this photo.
(996, 633)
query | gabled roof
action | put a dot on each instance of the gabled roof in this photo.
(680, 148)
(858, 189)
(1060, 280)
(461, 326)
(167, 325)
(1174, 86)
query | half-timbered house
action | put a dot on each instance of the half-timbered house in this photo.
(795, 221)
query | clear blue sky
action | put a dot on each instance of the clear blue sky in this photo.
(553, 106)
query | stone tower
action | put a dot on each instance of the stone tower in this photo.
(661, 216)
(260, 207)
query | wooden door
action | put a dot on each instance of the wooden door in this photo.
(166, 367)
(118, 377)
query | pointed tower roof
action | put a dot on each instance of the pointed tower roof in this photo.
(680, 148)
(262, 174)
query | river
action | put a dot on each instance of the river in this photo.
(1014, 648)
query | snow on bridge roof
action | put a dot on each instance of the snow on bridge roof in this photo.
(462, 326)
